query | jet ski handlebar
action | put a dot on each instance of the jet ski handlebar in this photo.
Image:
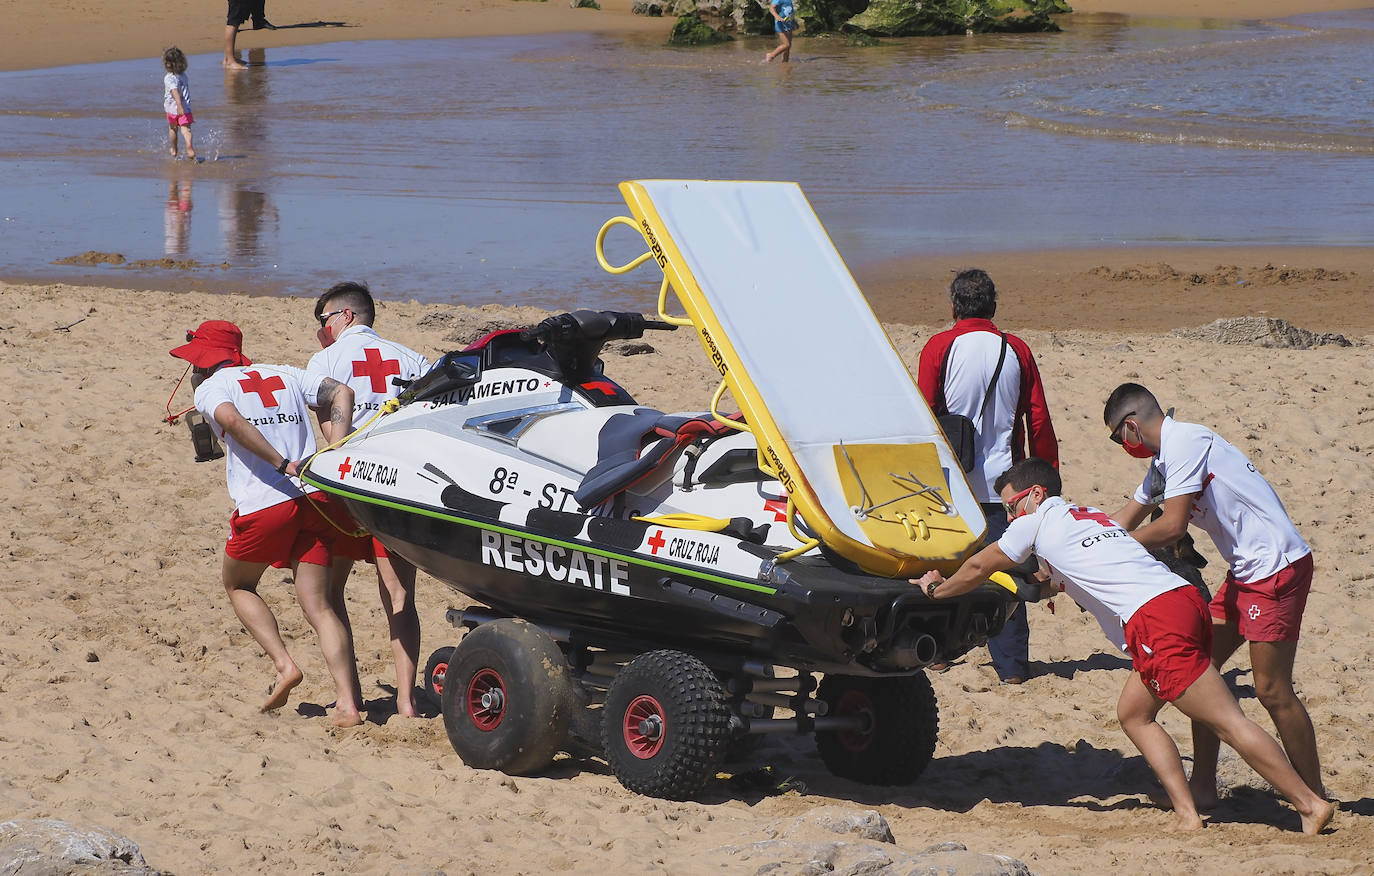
(592, 326)
(575, 339)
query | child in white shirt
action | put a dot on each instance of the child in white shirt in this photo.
(176, 101)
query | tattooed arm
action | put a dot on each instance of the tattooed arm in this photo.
(336, 400)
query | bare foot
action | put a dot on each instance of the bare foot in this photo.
(1319, 818)
(173, 153)
(1189, 821)
(349, 718)
(234, 64)
(406, 709)
(191, 154)
(281, 692)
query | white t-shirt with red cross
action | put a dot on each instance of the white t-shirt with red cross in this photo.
(366, 362)
(1238, 508)
(277, 400)
(1096, 561)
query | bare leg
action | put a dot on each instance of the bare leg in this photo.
(172, 140)
(1206, 747)
(1136, 710)
(396, 587)
(783, 45)
(190, 150)
(313, 593)
(241, 583)
(1208, 701)
(339, 571)
(231, 55)
(1272, 664)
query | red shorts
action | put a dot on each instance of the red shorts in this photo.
(175, 121)
(282, 534)
(338, 525)
(1170, 639)
(1267, 610)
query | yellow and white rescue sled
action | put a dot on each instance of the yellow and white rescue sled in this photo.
(836, 415)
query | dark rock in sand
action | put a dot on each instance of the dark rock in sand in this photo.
(1261, 331)
(631, 348)
(49, 847)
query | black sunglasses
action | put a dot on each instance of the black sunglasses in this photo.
(1115, 434)
(326, 317)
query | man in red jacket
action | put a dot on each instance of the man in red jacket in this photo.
(990, 377)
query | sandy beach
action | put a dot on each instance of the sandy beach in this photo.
(129, 692)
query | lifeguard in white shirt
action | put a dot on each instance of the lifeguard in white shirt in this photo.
(1195, 476)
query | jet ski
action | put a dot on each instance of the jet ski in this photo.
(664, 587)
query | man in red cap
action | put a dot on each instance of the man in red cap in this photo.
(263, 417)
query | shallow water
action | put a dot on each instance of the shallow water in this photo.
(480, 170)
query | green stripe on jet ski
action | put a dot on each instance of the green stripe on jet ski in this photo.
(329, 487)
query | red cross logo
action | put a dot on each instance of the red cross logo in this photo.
(778, 507)
(266, 389)
(376, 368)
(657, 542)
(345, 468)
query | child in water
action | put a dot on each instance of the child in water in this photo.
(176, 101)
(784, 22)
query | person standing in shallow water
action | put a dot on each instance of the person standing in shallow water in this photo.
(176, 101)
(784, 23)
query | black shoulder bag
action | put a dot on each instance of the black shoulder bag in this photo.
(959, 430)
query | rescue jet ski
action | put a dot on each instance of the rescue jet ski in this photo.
(656, 585)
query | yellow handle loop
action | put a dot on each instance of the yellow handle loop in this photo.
(663, 313)
(626, 268)
(685, 520)
(807, 543)
(601, 252)
(715, 410)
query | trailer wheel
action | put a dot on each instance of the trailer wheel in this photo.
(898, 739)
(666, 726)
(507, 697)
(436, 670)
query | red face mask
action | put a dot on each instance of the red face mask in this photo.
(324, 337)
(1139, 451)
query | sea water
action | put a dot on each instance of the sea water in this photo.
(479, 170)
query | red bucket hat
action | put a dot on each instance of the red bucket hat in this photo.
(213, 343)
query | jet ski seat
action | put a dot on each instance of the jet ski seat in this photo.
(633, 447)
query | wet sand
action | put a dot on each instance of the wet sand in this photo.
(1148, 290)
(40, 33)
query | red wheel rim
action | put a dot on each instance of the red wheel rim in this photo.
(436, 678)
(644, 727)
(853, 702)
(486, 685)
